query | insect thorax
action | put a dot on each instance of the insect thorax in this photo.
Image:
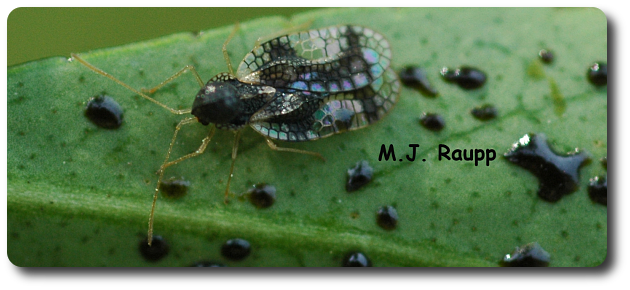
(229, 103)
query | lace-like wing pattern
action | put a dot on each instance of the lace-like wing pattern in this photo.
(326, 81)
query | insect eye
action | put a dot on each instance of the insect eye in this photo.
(216, 103)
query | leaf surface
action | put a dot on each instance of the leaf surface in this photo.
(79, 195)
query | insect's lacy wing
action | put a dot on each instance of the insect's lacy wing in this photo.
(287, 105)
(354, 110)
(332, 59)
(337, 113)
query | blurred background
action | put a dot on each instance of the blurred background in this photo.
(35, 33)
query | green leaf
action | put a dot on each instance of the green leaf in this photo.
(79, 195)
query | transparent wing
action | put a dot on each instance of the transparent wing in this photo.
(332, 60)
(287, 105)
(338, 112)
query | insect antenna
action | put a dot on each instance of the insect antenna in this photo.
(101, 72)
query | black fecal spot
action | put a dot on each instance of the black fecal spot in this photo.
(530, 255)
(236, 249)
(359, 176)
(262, 195)
(485, 112)
(546, 56)
(433, 122)
(104, 112)
(207, 264)
(174, 188)
(158, 249)
(558, 175)
(467, 78)
(597, 74)
(387, 217)
(415, 77)
(598, 189)
(356, 259)
(605, 162)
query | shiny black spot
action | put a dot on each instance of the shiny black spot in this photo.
(236, 249)
(598, 189)
(416, 78)
(174, 188)
(557, 175)
(356, 259)
(104, 112)
(359, 176)
(530, 255)
(467, 78)
(597, 74)
(387, 217)
(158, 249)
(546, 56)
(433, 122)
(605, 162)
(485, 112)
(262, 195)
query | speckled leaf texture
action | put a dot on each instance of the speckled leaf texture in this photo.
(80, 195)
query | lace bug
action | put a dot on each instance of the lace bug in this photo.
(296, 87)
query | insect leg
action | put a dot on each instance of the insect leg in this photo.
(237, 137)
(200, 150)
(101, 72)
(176, 75)
(273, 146)
(225, 53)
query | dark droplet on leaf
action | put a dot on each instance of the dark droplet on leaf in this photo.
(387, 217)
(433, 122)
(104, 112)
(467, 78)
(484, 113)
(546, 56)
(530, 255)
(598, 74)
(416, 78)
(557, 175)
(158, 249)
(262, 195)
(356, 260)
(174, 188)
(236, 249)
(598, 190)
(359, 176)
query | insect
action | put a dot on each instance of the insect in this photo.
(296, 87)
